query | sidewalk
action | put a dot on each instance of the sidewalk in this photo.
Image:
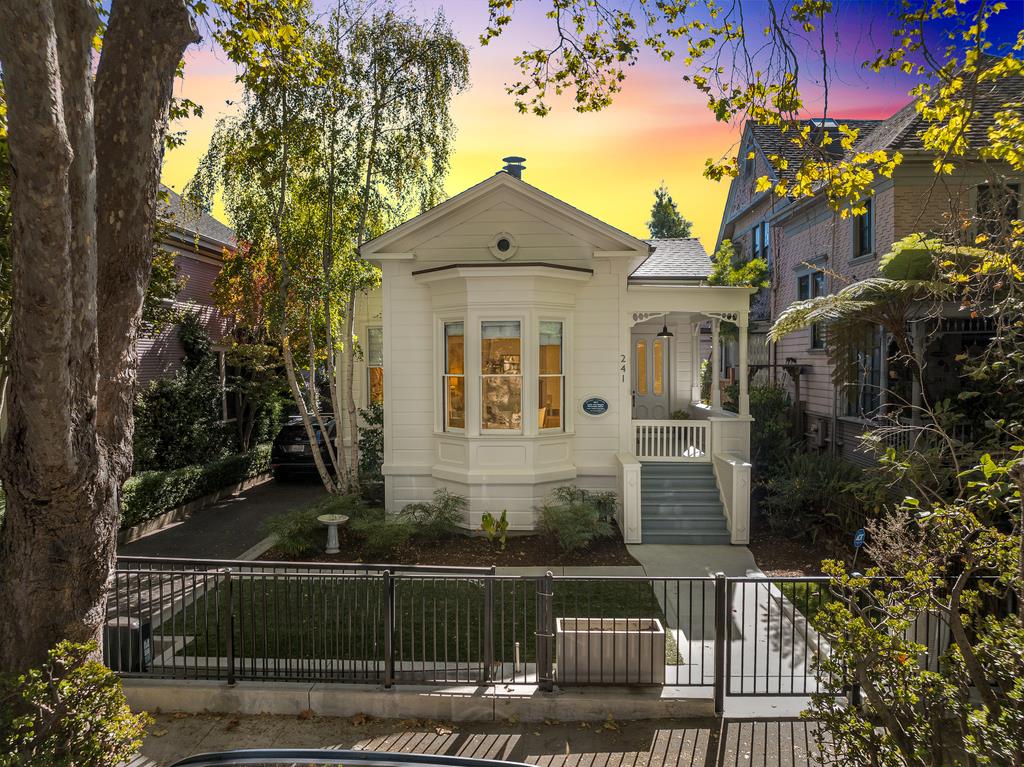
(651, 743)
(229, 527)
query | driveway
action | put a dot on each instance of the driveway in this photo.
(228, 528)
(648, 743)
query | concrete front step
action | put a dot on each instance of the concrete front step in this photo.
(711, 524)
(676, 469)
(702, 495)
(680, 504)
(686, 538)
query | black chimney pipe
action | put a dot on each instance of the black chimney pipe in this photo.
(514, 166)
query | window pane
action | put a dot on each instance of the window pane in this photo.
(803, 288)
(375, 347)
(377, 386)
(819, 284)
(549, 415)
(454, 348)
(501, 402)
(659, 364)
(455, 402)
(641, 367)
(550, 348)
(499, 348)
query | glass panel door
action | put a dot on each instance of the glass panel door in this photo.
(651, 377)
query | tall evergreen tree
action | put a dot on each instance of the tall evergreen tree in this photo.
(666, 220)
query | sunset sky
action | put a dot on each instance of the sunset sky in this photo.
(607, 163)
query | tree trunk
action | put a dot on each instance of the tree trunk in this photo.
(83, 197)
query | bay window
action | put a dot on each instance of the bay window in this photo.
(454, 384)
(501, 375)
(551, 377)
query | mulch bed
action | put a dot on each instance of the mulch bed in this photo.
(476, 551)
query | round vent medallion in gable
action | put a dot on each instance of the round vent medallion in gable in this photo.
(503, 246)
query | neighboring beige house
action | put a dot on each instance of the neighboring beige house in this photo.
(813, 251)
(526, 345)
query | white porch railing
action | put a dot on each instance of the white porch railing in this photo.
(672, 440)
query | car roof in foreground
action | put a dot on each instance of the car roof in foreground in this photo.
(307, 757)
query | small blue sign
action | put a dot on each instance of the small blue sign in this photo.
(595, 406)
(858, 538)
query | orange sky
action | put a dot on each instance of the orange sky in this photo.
(607, 163)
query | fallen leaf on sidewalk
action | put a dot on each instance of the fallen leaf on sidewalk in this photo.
(180, 715)
(360, 719)
(306, 713)
(158, 733)
(231, 725)
(441, 730)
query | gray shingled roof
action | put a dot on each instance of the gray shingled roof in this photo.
(903, 130)
(774, 141)
(680, 258)
(185, 220)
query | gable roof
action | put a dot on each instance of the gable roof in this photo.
(675, 258)
(626, 242)
(184, 220)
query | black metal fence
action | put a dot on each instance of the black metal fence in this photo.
(392, 625)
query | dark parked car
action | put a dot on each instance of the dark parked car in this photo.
(292, 455)
(307, 757)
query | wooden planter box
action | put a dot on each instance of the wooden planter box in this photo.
(620, 651)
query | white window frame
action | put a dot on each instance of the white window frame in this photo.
(561, 376)
(524, 407)
(370, 367)
(445, 375)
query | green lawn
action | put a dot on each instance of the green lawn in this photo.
(807, 597)
(437, 620)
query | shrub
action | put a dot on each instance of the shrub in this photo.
(604, 502)
(151, 493)
(178, 419)
(69, 711)
(371, 450)
(298, 532)
(577, 517)
(496, 528)
(382, 535)
(811, 494)
(770, 433)
(437, 518)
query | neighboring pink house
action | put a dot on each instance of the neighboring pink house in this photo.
(197, 245)
(813, 251)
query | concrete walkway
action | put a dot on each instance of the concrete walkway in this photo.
(228, 528)
(651, 743)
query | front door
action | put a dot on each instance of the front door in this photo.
(650, 377)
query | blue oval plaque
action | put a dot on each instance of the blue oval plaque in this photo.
(595, 406)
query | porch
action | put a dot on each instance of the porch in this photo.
(683, 470)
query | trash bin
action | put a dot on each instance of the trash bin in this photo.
(127, 645)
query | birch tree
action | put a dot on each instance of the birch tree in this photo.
(364, 142)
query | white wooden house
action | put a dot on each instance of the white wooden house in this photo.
(520, 344)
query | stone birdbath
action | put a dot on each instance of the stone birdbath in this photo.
(332, 522)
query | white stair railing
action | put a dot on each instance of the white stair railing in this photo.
(672, 441)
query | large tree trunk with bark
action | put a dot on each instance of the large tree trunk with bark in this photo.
(83, 200)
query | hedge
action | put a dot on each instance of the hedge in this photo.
(151, 493)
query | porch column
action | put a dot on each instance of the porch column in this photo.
(695, 362)
(716, 368)
(744, 403)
